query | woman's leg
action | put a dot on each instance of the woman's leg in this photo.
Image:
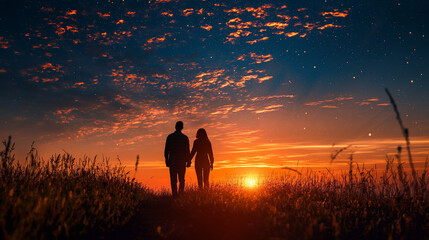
(206, 171)
(199, 171)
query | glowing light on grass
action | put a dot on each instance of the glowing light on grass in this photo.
(250, 182)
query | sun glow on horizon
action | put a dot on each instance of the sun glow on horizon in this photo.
(250, 182)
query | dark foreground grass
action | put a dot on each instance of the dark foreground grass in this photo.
(66, 197)
(293, 208)
(63, 197)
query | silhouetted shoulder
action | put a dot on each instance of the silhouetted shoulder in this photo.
(183, 136)
(170, 135)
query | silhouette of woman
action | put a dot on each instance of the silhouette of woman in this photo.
(204, 159)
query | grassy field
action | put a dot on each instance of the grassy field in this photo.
(310, 207)
(88, 198)
(63, 197)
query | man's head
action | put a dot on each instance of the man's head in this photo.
(179, 126)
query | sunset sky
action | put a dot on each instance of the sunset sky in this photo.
(274, 83)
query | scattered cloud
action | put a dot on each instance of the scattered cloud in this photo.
(336, 13)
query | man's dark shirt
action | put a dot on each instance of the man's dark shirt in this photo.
(176, 149)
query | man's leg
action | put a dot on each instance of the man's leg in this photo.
(173, 180)
(181, 171)
(206, 171)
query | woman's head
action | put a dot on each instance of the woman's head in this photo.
(202, 134)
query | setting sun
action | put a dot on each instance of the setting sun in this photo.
(250, 182)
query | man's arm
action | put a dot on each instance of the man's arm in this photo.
(166, 152)
(188, 159)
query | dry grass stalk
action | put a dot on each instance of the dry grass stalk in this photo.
(293, 170)
(405, 133)
(337, 152)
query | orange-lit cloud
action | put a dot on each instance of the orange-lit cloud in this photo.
(236, 23)
(206, 27)
(269, 108)
(291, 34)
(329, 106)
(272, 97)
(46, 80)
(167, 14)
(259, 12)
(240, 33)
(51, 67)
(263, 79)
(261, 58)
(330, 25)
(65, 115)
(103, 15)
(153, 40)
(4, 43)
(71, 12)
(277, 25)
(257, 40)
(335, 13)
(256, 58)
(188, 12)
(286, 17)
(337, 99)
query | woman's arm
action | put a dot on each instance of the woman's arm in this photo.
(211, 155)
(194, 150)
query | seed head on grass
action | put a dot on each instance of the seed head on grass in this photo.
(137, 162)
(291, 169)
(335, 154)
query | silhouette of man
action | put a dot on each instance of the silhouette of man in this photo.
(177, 155)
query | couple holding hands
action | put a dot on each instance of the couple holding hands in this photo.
(178, 158)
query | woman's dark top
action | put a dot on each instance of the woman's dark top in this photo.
(204, 151)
